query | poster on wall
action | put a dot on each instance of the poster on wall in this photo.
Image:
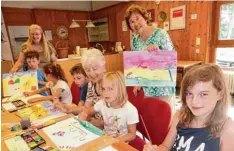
(177, 17)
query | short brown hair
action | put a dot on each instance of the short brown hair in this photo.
(77, 69)
(136, 9)
(206, 73)
(31, 55)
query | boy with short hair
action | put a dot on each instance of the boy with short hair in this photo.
(33, 61)
(80, 80)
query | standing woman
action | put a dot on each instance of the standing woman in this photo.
(148, 38)
(36, 42)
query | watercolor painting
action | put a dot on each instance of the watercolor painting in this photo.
(69, 134)
(19, 82)
(150, 68)
(40, 110)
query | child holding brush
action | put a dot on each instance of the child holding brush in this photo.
(119, 115)
(202, 123)
(57, 84)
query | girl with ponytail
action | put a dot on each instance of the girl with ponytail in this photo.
(57, 85)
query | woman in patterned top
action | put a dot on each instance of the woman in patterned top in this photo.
(93, 63)
(36, 42)
(148, 38)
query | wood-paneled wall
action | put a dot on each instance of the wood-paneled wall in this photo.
(49, 20)
(184, 40)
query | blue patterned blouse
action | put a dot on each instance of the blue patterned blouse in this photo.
(161, 38)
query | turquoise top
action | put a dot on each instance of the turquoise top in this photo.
(161, 38)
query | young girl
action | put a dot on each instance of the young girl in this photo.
(57, 83)
(202, 123)
(119, 115)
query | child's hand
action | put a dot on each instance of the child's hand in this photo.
(83, 116)
(49, 84)
(28, 94)
(33, 100)
(150, 147)
(112, 134)
(56, 100)
(61, 107)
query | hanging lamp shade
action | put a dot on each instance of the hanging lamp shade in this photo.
(74, 24)
(89, 24)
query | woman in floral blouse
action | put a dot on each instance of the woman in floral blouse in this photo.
(148, 38)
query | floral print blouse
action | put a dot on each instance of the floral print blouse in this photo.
(161, 38)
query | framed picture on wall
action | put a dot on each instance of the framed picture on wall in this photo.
(151, 14)
(177, 17)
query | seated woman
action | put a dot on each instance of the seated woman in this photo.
(93, 63)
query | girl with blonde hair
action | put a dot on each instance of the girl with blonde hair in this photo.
(202, 123)
(36, 42)
(119, 115)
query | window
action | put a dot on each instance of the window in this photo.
(224, 34)
(225, 57)
(226, 30)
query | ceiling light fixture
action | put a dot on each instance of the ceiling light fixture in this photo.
(74, 23)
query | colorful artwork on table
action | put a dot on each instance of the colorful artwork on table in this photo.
(19, 82)
(150, 68)
(40, 111)
(69, 134)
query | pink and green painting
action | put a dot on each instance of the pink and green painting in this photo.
(150, 68)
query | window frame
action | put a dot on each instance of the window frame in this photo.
(221, 43)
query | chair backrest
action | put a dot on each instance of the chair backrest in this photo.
(156, 115)
(75, 90)
(137, 101)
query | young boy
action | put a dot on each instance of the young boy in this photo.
(80, 80)
(32, 59)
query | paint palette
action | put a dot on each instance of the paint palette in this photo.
(33, 139)
(18, 103)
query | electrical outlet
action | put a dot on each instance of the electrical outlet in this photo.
(197, 50)
(193, 16)
(198, 41)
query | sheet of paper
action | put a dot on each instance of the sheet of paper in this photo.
(40, 112)
(16, 83)
(108, 148)
(48, 34)
(69, 134)
(16, 144)
(8, 106)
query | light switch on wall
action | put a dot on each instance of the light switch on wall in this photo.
(198, 41)
(197, 50)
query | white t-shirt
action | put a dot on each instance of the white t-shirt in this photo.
(117, 120)
(66, 96)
